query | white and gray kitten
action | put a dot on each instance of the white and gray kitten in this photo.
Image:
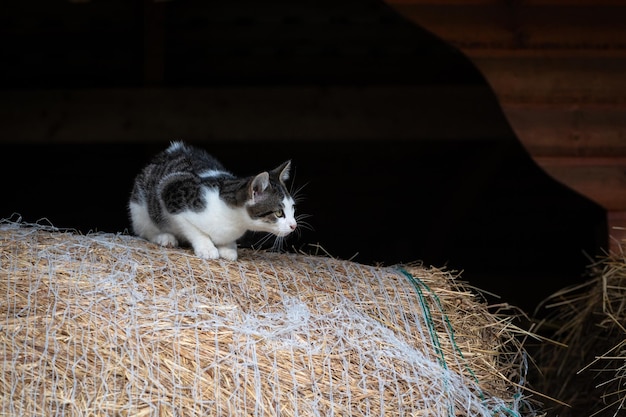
(185, 195)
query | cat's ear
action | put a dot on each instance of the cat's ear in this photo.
(282, 172)
(258, 185)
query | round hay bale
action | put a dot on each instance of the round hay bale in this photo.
(108, 324)
(589, 323)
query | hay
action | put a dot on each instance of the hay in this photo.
(588, 369)
(108, 324)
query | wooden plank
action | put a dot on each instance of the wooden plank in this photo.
(394, 112)
(569, 130)
(551, 79)
(601, 179)
(478, 28)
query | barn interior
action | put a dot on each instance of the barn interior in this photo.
(486, 137)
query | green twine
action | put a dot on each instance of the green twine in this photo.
(429, 322)
(418, 284)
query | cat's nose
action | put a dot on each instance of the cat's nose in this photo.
(293, 226)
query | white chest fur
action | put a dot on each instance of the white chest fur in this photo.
(218, 221)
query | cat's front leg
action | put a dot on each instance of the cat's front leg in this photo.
(228, 252)
(204, 248)
(201, 243)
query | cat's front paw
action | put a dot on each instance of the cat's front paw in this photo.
(165, 239)
(206, 251)
(228, 253)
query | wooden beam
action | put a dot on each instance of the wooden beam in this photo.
(393, 112)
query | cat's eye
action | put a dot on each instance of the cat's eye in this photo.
(279, 213)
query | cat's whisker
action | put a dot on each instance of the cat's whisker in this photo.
(296, 194)
(302, 216)
(305, 227)
(263, 240)
(303, 224)
(278, 244)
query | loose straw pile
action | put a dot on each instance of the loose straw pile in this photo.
(588, 369)
(108, 324)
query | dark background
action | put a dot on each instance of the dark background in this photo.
(468, 200)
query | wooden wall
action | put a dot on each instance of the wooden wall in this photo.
(558, 68)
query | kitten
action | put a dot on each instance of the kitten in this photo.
(185, 195)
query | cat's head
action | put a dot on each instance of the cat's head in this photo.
(270, 205)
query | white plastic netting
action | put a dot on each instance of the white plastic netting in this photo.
(107, 324)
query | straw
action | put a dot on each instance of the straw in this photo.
(588, 321)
